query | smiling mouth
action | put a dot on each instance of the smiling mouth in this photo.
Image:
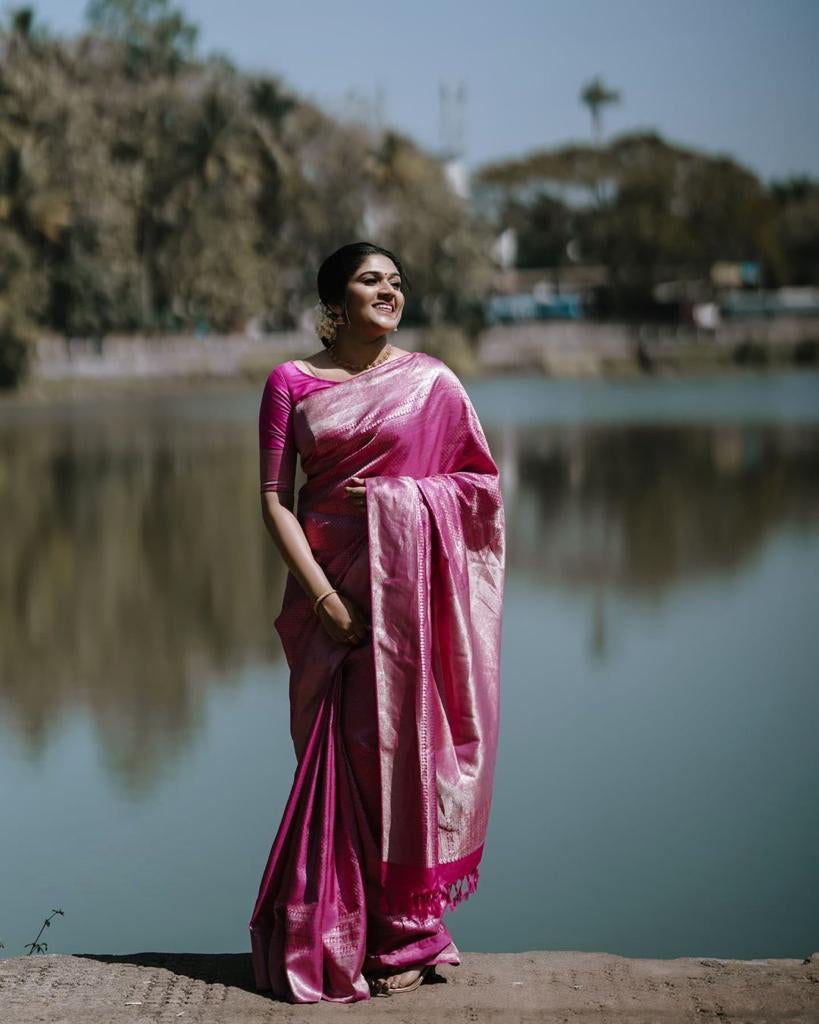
(384, 306)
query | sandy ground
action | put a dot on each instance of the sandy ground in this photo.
(498, 987)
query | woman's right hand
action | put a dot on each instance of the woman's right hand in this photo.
(342, 619)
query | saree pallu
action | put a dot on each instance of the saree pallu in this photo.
(389, 825)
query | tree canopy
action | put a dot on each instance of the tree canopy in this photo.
(143, 188)
(645, 208)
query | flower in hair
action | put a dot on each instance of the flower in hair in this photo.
(325, 321)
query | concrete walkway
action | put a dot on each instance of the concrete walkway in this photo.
(564, 987)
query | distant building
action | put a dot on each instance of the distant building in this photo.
(780, 302)
(726, 274)
(504, 250)
(457, 175)
(533, 294)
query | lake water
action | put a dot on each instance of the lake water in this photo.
(656, 788)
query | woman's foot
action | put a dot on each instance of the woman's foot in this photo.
(403, 981)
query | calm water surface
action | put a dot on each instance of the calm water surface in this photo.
(656, 785)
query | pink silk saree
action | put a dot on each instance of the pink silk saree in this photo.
(395, 738)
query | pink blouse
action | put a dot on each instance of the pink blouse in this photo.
(285, 386)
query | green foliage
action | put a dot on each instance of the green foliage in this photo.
(544, 226)
(155, 35)
(797, 201)
(649, 210)
(14, 355)
(595, 95)
(42, 947)
(142, 189)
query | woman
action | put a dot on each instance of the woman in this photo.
(390, 625)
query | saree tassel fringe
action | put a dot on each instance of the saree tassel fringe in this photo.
(446, 896)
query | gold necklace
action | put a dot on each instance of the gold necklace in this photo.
(382, 356)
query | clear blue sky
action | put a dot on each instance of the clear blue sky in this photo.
(732, 76)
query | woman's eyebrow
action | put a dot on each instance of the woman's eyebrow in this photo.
(378, 273)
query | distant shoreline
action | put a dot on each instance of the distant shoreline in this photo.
(553, 349)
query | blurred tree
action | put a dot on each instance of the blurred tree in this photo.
(595, 95)
(142, 189)
(156, 36)
(544, 228)
(676, 212)
(437, 238)
(666, 211)
(34, 203)
(797, 203)
(22, 22)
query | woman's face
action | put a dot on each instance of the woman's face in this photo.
(374, 296)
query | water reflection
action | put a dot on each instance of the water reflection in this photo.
(136, 568)
(641, 507)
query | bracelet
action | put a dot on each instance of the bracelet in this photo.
(321, 597)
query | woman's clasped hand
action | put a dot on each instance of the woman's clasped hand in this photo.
(342, 619)
(357, 491)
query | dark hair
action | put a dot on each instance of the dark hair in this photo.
(339, 267)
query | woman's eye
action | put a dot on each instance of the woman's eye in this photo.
(374, 280)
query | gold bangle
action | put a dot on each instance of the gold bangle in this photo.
(321, 597)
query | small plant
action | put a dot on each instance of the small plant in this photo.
(37, 946)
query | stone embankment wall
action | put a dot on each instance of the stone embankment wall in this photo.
(567, 348)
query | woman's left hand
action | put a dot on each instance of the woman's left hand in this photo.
(357, 491)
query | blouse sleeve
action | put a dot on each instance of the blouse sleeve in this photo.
(277, 446)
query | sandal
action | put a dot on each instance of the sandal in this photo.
(379, 985)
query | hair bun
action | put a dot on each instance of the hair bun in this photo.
(325, 323)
